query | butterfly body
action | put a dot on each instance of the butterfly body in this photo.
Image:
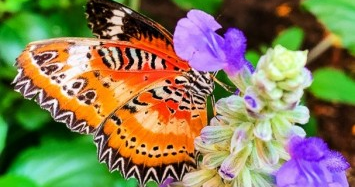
(143, 104)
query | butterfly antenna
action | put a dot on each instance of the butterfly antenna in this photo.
(213, 104)
(223, 85)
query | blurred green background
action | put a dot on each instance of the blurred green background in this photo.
(35, 151)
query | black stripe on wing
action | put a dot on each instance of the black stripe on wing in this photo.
(111, 20)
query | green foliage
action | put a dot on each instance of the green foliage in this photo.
(253, 57)
(209, 6)
(311, 127)
(45, 4)
(16, 181)
(290, 38)
(13, 39)
(338, 16)
(11, 6)
(3, 134)
(31, 117)
(333, 85)
(67, 163)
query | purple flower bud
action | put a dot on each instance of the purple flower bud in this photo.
(252, 102)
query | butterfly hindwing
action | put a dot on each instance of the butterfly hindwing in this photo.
(151, 137)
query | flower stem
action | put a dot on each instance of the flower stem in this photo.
(319, 49)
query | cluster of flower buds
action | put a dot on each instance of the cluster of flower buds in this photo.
(245, 144)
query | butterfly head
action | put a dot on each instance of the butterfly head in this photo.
(202, 82)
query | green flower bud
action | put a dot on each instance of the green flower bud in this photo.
(242, 136)
(292, 97)
(199, 177)
(283, 63)
(263, 130)
(262, 83)
(274, 94)
(280, 149)
(242, 79)
(231, 103)
(292, 84)
(298, 115)
(234, 163)
(203, 147)
(297, 131)
(266, 153)
(252, 101)
(214, 159)
(215, 181)
(214, 134)
(261, 180)
(220, 120)
(244, 179)
(280, 127)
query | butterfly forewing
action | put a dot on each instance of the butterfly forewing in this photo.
(143, 104)
(114, 21)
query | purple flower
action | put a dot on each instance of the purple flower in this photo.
(312, 164)
(167, 182)
(196, 41)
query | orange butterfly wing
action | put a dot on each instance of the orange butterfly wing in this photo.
(143, 104)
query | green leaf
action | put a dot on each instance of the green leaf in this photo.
(311, 127)
(11, 6)
(8, 96)
(338, 16)
(253, 57)
(31, 116)
(7, 72)
(290, 38)
(3, 134)
(60, 4)
(45, 4)
(333, 85)
(209, 6)
(65, 163)
(16, 181)
(16, 32)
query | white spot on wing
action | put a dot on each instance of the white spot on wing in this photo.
(77, 55)
(114, 30)
(119, 13)
(116, 20)
(129, 11)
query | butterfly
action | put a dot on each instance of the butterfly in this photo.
(142, 103)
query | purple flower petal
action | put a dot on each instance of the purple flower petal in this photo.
(311, 149)
(203, 20)
(312, 164)
(167, 182)
(234, 48)
(335, 162)
(196, 41)
(298, 173)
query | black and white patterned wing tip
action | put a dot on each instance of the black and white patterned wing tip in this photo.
(112, 20)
